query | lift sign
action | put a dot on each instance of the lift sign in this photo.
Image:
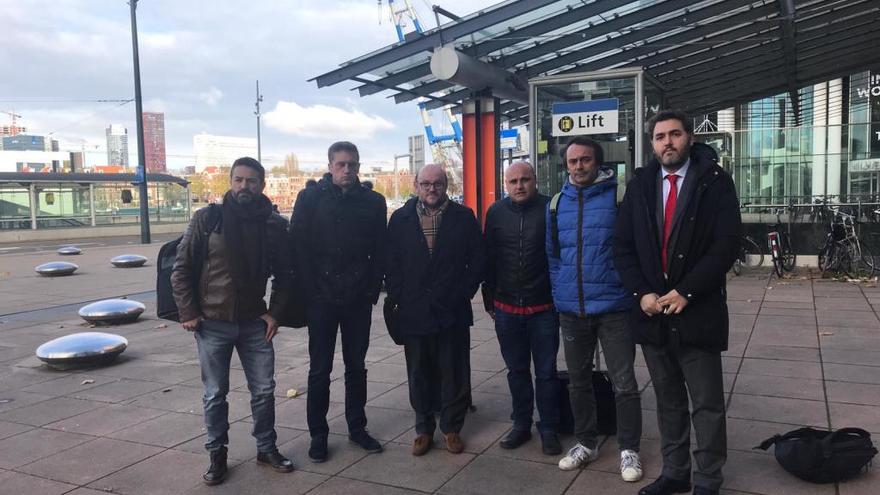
(579, 118)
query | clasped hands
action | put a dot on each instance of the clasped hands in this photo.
(672, 303)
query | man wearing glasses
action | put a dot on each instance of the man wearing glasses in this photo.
(435, 266)
(338, 232)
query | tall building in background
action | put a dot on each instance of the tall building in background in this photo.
(291, 165)
(154, 142)
(221, 151)
(117, 145)
(416, 153)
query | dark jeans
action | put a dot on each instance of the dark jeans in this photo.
(675, 373)
(438, 365)
(353, 322)
(215, 341)
(524, 338)
(579, 337)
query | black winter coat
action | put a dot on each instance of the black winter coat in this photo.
(516, 260)
(705, 240)
(434, 291)
(339, 243)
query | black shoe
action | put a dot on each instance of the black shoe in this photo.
(276, 460)
(217, 471)
(365, 441)
(550, 443)
(702, 490)
(515, 438)
(318, 449)
(666, 486)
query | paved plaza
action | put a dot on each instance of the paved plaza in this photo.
(802, 352)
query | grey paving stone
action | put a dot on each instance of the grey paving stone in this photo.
(852, 319)
(90, 461)
(531, 450)
(20, 483)
(176, 398)
(855, 339)
(745, 434)
(106, 420)
(36, 444)
(396, 398)
(756, 473)
(781, 352)
(387, 373)
(374, 389)
(343, 486)
(852, 373)
(384, 424)
(590, 482)
(49, 411)
(68, 385)
(250, 479)
(10, 429)
(117, 390)
(779, 386)
(398, 467)
(840, 356)
(801, 337)
(341, 454)
(242, 445)
(292, 413)
(166, 431)
(489, 475)
(774, 367)
(861, 416)
(14, 378)
(776, 409)
(169, 473)
(863, 484)
(853, 393)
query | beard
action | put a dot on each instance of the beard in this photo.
(243, 197)
(676, 162)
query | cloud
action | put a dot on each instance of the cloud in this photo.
(323, 121)
(212, 96)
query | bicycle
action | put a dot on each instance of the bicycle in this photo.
(843, 251)
(749, 255)
(779, 244)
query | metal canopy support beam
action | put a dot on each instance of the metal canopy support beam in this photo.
(789, 45)
(428, 41)
(512, 37)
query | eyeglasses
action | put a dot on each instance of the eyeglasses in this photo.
(432, 185)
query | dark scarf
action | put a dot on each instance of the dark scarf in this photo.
(244, 233)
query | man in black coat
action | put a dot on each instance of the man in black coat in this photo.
(435, 266)
(517, 295)
(338, 236)
(676, 237)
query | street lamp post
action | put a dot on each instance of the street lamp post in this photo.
(257, 113)
(142, 159)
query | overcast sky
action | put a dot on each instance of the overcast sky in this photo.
(199, 63)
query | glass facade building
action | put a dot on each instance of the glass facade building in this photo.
(39, 201)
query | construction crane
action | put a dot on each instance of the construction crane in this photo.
(13, 129)
(445, 148)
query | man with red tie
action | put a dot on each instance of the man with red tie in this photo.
(676, 237)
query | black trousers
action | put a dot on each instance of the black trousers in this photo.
(353, 323)
(438, 367)
(676, 373)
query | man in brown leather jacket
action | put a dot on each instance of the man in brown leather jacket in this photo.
(225, 307)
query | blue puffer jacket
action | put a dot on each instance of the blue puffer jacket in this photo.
(583, 277)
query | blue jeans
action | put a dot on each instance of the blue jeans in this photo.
(524, 338)
(579, 337)
(215, 341)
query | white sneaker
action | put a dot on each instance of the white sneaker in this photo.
(578, 456)
(630, 466)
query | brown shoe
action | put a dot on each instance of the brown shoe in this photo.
(422, 444)
(453, 443)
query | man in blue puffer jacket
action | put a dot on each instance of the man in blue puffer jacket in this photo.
(592, 303)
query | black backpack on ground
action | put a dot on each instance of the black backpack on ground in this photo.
(822, 456)
(166, 308)
(606, 407)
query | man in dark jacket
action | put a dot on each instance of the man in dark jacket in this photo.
(225, 307)
(338, 235)
(517, 295)
(435, 267)
(592, 304)
(676, 236)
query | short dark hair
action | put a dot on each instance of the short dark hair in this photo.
(598, 153)
(670, 115)
(342, 146)
(249, 162)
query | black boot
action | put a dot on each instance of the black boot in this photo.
(217, 471)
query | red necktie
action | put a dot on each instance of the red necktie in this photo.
(669, 212)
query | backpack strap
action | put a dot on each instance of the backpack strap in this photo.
(800, 432)
(200, 251)
(554, 224)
